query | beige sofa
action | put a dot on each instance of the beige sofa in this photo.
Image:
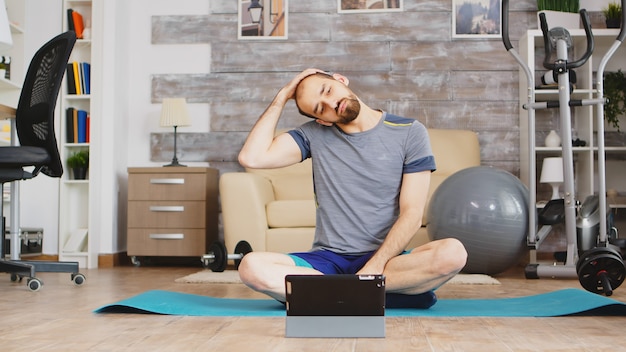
(274, 210)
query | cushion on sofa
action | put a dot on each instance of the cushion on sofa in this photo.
(291, 213)
(288, 240)
(289, 183)
(453, 150)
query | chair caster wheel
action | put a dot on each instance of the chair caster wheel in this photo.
(34, 284)
(78, 279)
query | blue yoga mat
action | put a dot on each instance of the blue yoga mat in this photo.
(558, 303)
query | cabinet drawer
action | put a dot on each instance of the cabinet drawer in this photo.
(166, 214)
(166, 242)
(167, 186)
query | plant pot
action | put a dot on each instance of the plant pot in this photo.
(613, 22)
(560, 19)
(80, 173)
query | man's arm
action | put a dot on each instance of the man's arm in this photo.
(262, 150)
(413, 194)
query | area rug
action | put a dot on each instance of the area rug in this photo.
(565, 302)
(232, 277)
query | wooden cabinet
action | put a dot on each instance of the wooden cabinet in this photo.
(172, 211)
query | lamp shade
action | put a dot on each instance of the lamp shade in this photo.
(552, 173)
(552, 170)
(174, 112)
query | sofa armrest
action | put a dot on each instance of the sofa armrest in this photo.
(244, 197)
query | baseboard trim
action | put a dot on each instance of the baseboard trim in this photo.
(113, 260)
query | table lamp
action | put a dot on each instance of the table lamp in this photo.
(174, 114)
(552, 173)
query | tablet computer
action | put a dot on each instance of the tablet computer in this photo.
(335, 305)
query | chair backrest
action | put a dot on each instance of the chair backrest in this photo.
(35, 109)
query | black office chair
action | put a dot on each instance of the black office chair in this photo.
(34, 120)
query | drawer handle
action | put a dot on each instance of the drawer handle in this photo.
(167, 236)
(173, 208)
(167, 181)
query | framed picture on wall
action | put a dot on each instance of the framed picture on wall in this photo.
(262, 19)
(476, 19)
(352, 6)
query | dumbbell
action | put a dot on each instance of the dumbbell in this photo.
(217, 257)
(601, 270)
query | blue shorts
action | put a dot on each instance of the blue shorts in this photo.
(329, 262)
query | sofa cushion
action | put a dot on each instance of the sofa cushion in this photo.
(454, 150)
(289, 239)
(293, 182)
(290, 213)
(293, 187)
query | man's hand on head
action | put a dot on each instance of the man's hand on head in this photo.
(290, 89)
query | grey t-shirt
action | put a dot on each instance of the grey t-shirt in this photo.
(357, 178)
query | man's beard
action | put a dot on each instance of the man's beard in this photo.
(353, 107)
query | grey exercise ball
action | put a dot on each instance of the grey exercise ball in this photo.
(487, 210)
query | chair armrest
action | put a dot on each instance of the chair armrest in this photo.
(244, 197)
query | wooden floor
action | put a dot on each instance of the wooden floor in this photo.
(59, 318)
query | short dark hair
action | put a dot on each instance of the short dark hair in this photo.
(325, 74)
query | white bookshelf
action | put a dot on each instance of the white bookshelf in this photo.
(76, 242)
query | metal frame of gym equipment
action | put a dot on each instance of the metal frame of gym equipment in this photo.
(561, 66)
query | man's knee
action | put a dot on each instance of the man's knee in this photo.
(451, 255)
(258, 269)
(249, 269)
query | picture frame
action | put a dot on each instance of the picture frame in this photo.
(476, 19)
(262, 19)
(365, 6)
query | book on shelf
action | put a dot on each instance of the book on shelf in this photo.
(77, 126)
(82, 126)
(78, 78)
(71, 84)
(86, 77)
(70, 20)
(75, 23)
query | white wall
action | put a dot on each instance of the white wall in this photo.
(146, 59)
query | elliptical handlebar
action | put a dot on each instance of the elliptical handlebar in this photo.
(570, 64)
(505, 25)
(622, 32)
(507, 41)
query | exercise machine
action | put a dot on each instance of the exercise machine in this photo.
(601, 269)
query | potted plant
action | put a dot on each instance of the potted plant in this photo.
(612, 15)
(614, 88)
(558, 5)
(79, 163)
(559, 13)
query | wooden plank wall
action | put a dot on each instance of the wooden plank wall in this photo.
(403, 62)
